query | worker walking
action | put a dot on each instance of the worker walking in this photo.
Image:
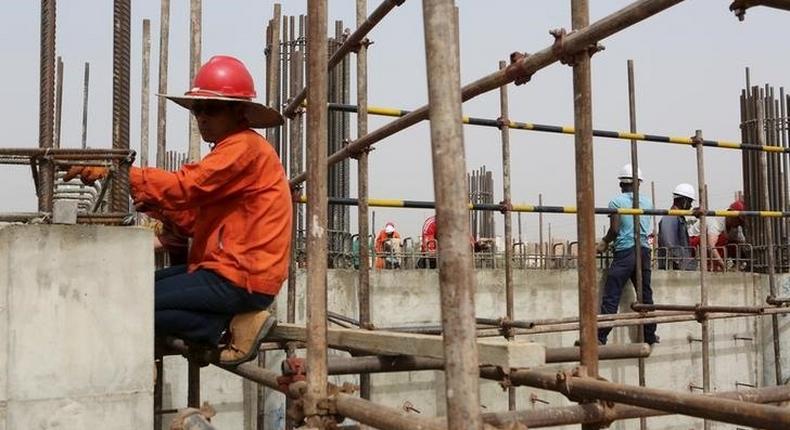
(623, 267)
(674, 251)
(235, 205)
(387, 248)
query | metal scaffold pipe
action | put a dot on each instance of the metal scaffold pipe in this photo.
(424, 204)
(316, 214)
(195, 47)
(161, 107)
(456, 277)
(521, 69)
(567, 129)
(362, 187)
(144, 93)
(696, 405)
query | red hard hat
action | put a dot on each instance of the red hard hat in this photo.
(738, 205)
(223, 76)
(227, 79)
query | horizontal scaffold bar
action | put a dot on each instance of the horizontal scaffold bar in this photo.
(424, 204)
(561, 129)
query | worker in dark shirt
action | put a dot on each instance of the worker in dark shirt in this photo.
(674, 251)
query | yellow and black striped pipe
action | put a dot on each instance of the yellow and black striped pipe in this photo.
(623, 135)
(423, 204)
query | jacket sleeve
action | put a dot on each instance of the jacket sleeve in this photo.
(221, 174)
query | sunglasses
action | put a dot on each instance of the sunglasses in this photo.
(208, 109)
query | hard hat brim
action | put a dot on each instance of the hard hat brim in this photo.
(258, 115)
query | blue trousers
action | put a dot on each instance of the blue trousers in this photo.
(198, 306)
(622, 269)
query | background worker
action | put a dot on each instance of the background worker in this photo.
(387, 247)
(623, 267)
(724, 236)
(674, 250)
(235, 204)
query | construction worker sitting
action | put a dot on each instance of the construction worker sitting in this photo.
(235, 204)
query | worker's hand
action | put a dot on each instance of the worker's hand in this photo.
(143, 207)
(88, 174)
(601, 246)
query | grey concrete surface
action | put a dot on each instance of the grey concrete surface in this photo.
(76, 327)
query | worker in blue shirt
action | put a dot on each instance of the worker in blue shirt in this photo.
(623, 268)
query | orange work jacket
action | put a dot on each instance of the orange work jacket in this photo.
(378, 247)
(235, 204)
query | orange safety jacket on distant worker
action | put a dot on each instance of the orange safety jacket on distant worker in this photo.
(378, 247)
(236, 206)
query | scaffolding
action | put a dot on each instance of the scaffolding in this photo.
(319, 404)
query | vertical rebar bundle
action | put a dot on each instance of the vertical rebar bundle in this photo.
(481, 190)
(145, 93)
(775, 180)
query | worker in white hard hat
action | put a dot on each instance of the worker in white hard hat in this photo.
(623, 267)
(387, 247)
(674, 251)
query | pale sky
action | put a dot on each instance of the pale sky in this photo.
(689, 64)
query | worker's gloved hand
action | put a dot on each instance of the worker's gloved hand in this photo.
(88, 174)
(601, 247)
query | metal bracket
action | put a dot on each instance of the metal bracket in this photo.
(518, 78)
(566, 57)
(364, 42)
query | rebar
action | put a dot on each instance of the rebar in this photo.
(122, 12)
(195, 47)
(58, 103)
(161, 107)
(145, 107)
(455, 263)
(46, 179)
(85, 90)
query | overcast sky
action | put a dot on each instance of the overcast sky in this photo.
(689, 64)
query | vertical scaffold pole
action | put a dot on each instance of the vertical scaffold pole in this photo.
(46, 109)
(85, 90)
(637, 226)
(316, 210)
(455, 259)
(703, 262)
(504, 119)
(362, 187)
(585, 199)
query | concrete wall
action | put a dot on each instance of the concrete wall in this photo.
(412, 297)
(76, 327)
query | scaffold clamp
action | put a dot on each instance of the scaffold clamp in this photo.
(565, 57)
(519, 78)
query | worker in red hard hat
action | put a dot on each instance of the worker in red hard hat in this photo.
(235, 205)
(387, 247)
(724, 235)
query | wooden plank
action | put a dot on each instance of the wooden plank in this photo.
(494, 352)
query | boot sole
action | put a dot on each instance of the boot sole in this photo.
(266, 327)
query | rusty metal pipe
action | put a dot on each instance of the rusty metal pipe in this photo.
(522, 68)
(121, 53)
(316, 212)
(145, 107)
(161, 106)
(456, 266)
(702, 406)
(195, 48)
(352, 42)
(698, 308)
(595, 413)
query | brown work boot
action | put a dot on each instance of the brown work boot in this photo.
(247, 330)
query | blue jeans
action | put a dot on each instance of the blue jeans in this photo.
(622, 269)
(198, 306)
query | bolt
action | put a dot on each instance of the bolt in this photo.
(693, 387)
(743, 384)
(409, 407)
(535, 399)
(691, 338)
(736, 337)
